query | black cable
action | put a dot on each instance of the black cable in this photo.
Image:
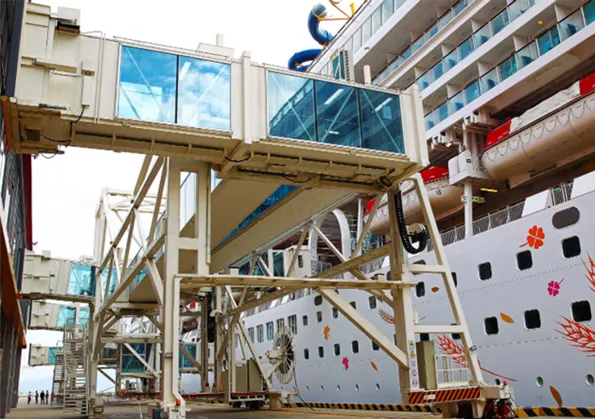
(237, 161)
(384, 180)
(67, 142)
(295, 181)
(406, 238)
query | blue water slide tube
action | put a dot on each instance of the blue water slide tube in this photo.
(321, 36)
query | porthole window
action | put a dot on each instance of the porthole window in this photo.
(420, 289)
(566, 218)
(318, 300)
(539, 382)
(454, 279)
(355, 346)
(424, 337)
(571, 247)
(590, 380)
(353, 305)
(491, 325)
(524, 260)
(455, 336)
(497, 381)
(321, 388)
(306, 354)
(319, 316)
(581, 311)
(320, 352)
(357, 387)
(372, 302)
(532, 319)
(485, 271)
(374, 346)
(307, 388)
(305, 320)
(338, 387)
(335, 313)
(337, 349)
(377, 387)
(419, 262)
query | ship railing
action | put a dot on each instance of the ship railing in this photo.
(451, 371)
(558, 195)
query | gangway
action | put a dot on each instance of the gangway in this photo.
(306, 141)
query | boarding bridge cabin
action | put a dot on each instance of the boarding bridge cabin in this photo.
(246, 155)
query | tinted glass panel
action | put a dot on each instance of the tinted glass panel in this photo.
(485, 271)
(337, 113)
(571, 247)
(381, 119)
(491, 325)
(524, 260)
(581, 311)
(147, 88)
(204, 94)
(532, 319)
(290, 101)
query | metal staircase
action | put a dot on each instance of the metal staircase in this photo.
(58, 379)
(75, 378)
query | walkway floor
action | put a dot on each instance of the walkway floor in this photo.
(33, 411)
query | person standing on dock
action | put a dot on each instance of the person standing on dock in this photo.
(29, 398)
(42, 396)
(36, 396)
(47, 397)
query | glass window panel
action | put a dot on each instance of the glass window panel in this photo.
(437, 71)
(424, 81)
(418, 43)
(442, 112)
(507, 68)
(489, 80)
(433, 30)
(527, 55)
(81, 280)
(451, 60)
(455, 103)
(445, 19)
(466, 48)
(517, 8)
(589, 10)
(366, 30)
(388, 8)
(459, 7)
(204, 94)
(571, 25)
(357, 40)
(471, 92)
(66, 317)
(429, 119)
(481, 36)
(548, 40)
(376, 20)
(407, 53)
(291, 106)
(147, 86)
(499, 22)
(381, 120)
(337, 114)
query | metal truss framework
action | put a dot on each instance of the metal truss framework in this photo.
(176, 286)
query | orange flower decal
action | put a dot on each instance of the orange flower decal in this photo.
(556, 396)
(506, 318)
(374, 366)
(435, 289)
(535, 238)
(590, 273)
(327, 332)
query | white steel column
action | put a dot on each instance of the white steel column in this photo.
(171, 299)
(402, 303)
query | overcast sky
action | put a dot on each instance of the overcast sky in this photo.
(66, 188)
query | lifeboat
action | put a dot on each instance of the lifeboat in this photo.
(444, 199)
(555, 132)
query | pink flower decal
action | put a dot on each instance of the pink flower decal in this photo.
(553, 287)
(345, 363)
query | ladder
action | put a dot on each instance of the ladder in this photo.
(58, 379)
(75, 379)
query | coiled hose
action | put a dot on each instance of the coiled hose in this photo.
(407, 239)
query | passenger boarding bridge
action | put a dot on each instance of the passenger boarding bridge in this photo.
(288, 147)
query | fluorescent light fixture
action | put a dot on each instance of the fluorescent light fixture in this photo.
(489, 190)
(333, 96)
(386, 102)
(333, 132)
(184, 70)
